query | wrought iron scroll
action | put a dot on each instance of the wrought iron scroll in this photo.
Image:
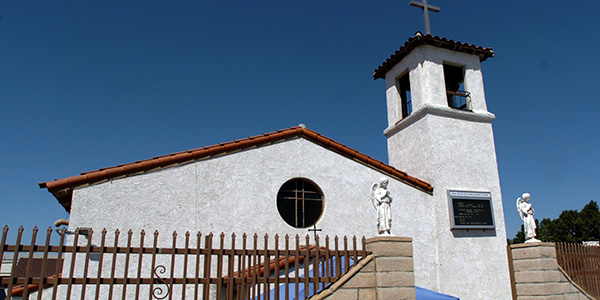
(158, 292)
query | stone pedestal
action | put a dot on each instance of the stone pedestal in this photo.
(388, 273)
(538, 276)
(394, 276)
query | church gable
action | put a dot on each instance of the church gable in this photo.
(62, 189)
(239, 192)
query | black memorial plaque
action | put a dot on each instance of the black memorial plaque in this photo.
(471, 210)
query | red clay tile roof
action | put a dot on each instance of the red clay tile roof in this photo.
(62, 189)
(260, 269)
(17, 291)
(428, 39)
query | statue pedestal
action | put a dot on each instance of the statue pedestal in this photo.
(394, 267)
(533, 240)
(537, 275)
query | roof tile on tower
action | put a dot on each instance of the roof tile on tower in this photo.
(428, 39)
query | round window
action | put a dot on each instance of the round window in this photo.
(300, 202)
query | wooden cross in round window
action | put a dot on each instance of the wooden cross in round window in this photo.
(300, 202)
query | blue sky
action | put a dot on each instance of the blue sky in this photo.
(86, 85)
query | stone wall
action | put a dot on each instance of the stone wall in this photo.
(538, 276)
(388, 273)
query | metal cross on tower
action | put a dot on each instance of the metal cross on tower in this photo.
(426, 8)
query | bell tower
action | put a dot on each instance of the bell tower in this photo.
(436, 107)
(439, 130)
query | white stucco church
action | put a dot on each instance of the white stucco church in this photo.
(442, 172)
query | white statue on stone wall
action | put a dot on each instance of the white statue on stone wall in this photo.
(382, 200)
(526, 213)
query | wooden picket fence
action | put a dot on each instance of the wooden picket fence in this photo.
(99, 268)
(582, 264)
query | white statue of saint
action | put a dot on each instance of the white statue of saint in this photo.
(526, 213)
(382, 200)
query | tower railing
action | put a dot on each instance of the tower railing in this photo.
(459, 99)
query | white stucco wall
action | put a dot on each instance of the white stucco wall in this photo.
(464, 160)
(452, 150)
(237, 193)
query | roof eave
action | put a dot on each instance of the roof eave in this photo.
(436, 41)
(62, 189)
